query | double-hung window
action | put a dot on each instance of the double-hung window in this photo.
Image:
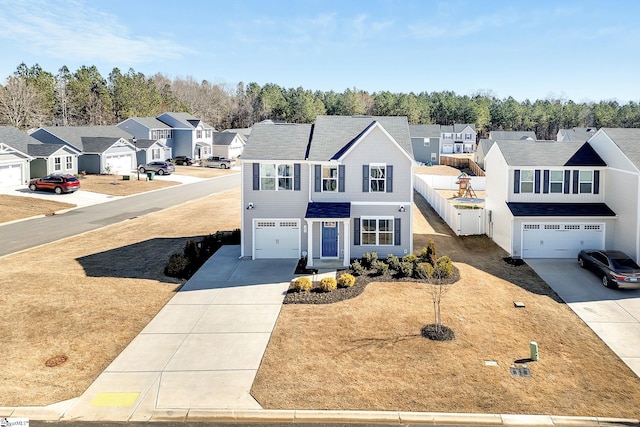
(276, 177)
(427, 142)
(330, 178)
(57, 163)
(199, 134)
(377, 177)
(69, 162)
(377, 231)
(155, 153)
(556, 181)
(586, 182)
(526, 181)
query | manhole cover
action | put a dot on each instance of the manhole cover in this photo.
(55, 361)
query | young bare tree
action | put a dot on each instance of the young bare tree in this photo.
(20, 104)
(438, 291)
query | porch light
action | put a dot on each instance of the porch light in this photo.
(250, 206)
(402, 209)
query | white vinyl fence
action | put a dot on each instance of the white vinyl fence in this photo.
(463, 222)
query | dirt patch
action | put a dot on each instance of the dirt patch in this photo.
(368, 353)
(201, 172)
(86, 297)
(115, 185)
(19, 207)
(441, 170)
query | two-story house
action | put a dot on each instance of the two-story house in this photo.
(332, 190)
(458, 138)
(184, 134)
(425, 143)
(549, 200)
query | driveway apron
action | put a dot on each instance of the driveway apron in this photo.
(201, 351)
(614, 315)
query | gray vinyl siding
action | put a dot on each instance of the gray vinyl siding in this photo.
(422, 154)
(135, 128)
(358, 211)
(182, 143)
(89, 163)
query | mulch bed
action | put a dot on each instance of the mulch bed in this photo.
(316, 296)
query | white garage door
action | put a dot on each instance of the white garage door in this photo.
(10, 175)
(120, 164)
(560, 240)
(277, 238)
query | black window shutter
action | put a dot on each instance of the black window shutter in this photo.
(396, 232)
(356, 231)
(545, 181)
(596, 182)
(318, 178)
(256, 176)
(536, 182)
(341, 178)
(389, 178)
(567, 180)
(576, 177)
(365, 178)
(516, 181)
(296, 177)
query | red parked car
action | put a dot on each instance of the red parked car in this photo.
(58, 183)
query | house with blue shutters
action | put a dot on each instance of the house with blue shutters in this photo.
(332, 190)
(549, 199)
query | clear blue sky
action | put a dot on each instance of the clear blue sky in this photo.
(577, 49)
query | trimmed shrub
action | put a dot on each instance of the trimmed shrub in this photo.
(431, 252)
(368, 259)
(346, 280)
(406, 269)
(356, 268)
(412, 258)
(380, 267)
(302, 284)
(177, 266)
(393, 261)
(423, 270)
(443, 267)
(328, 284)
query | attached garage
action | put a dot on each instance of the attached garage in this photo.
(279, 238)
(561, 239)
(119, 163)
(11, 175)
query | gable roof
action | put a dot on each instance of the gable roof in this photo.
(97, 144)
(334, 134)
(457, 127)
(627, 140)
(543, 153)
(576, 134)
(72, 135)
(226, 138)
(143, 143)
(46, 150)
(149, 122)
(186, 119)
(485, 144)
(512, 135)
(277, 141)
(424, 131)
(16, 139)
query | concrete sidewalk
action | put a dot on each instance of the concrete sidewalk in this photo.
(201, 351)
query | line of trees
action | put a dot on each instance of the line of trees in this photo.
(33, 97)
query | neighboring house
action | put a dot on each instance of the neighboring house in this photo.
(104, 149)
(620, 149)
(458, 138)
(242, 131)
(183, 133)
(550, 200)
(14, 157)
(505, 135)
(575, 134)
(228, 144)
(52, 159)
(332, 190)
(425, 142)
(483, 148)
(150, 150)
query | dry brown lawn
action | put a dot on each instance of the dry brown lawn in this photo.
(368, 354)
(18, 207)
(88, 296)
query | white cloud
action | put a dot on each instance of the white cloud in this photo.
(73, 30)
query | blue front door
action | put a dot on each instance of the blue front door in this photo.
(330, 239)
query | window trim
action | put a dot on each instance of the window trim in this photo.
(324, 179)
(582, 182)
(556, 181)
(277, 177)
(57, 163)
(383, 178)
(528, 182)
(377, 232)
(68, 162)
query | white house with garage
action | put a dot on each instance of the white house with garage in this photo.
(104, 149)
(332, 190)
(550, 200)
(14, 156)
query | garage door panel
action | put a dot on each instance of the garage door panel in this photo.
(119, 164)
(277, 238)
(10, 175)
(560, 240)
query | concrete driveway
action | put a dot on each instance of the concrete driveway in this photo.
(614, 315)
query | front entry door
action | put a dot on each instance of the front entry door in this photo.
(329, 239)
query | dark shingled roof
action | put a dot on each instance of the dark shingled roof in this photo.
(328, 210)
(98, 144)
(560, 209)
(16, 139)
(277, 141)
(223, 138)
(144, 143)
(46, 150)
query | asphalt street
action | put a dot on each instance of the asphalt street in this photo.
(18, 236)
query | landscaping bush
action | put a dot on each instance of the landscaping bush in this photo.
(356, 268)
(430, 252)
(443, 267)
(328, 284)
(346, 280)
(380, 267)
(368, 259)
(424, 270)
(393, 261)
(302, 284)
(177, 266)
(412, 258)
(406, 269)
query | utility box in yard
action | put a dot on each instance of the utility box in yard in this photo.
(533, 346)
